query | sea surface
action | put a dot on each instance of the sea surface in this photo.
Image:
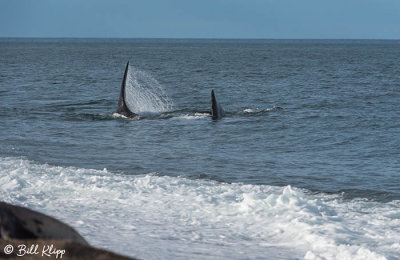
(305, 164)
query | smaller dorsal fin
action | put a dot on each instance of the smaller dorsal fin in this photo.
(216, 110)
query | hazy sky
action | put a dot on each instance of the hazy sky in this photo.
(271, 19)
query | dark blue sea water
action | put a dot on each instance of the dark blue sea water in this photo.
(321, 118)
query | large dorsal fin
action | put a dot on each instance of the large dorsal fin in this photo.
(122, 107)
(216, 110)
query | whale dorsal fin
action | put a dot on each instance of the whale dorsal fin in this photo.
(216, 110)
(122, 107)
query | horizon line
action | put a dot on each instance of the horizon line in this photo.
(195, 38)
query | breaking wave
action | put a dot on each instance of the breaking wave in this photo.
(161, 217)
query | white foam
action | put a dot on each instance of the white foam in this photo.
(257, 110)
(249, 110)
(153, 217)
(117, 115)
(193, 116)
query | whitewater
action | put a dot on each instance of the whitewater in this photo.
(160, 217)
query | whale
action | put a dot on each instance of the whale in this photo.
(216, 112)
(122, 107)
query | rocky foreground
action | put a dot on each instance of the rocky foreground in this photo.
(27, 234)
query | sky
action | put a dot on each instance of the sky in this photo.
(260, 19)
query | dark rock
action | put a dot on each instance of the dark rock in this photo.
(22, 223)
(31, 235)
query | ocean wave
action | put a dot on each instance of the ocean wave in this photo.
(160, 217)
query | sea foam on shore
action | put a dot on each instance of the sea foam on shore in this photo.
(160, 217)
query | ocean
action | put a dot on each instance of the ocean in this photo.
(304, 165)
